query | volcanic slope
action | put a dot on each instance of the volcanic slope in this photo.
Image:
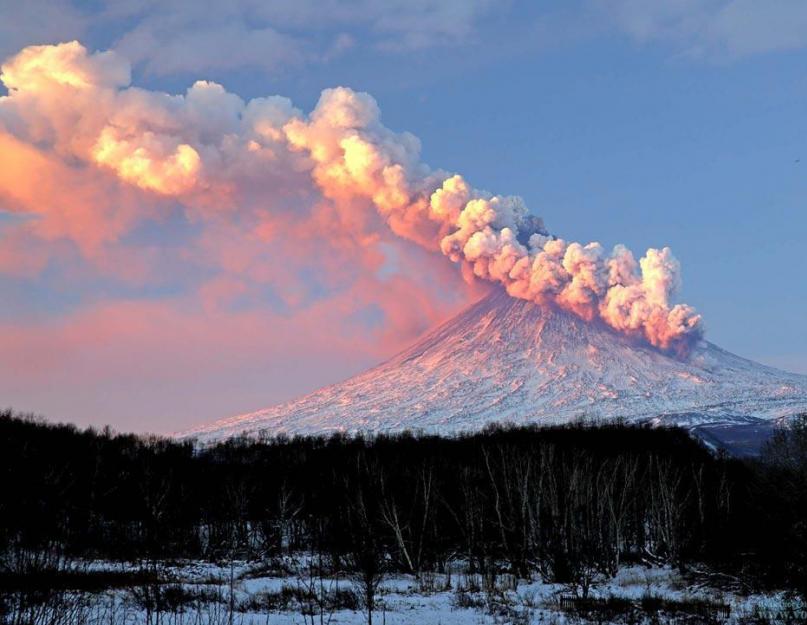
(509, 360)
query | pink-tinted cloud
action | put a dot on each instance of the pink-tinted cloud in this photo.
(72, 202)
(295, 233)
(357, 159)
(164, 365)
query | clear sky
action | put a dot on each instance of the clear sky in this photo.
(675, 122)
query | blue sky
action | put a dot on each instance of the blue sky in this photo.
(682, 124)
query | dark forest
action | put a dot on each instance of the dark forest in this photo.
(564, 504)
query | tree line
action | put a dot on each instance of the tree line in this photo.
(568, 504)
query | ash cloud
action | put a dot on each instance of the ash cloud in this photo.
(208, 147)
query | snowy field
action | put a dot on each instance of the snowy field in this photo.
(287, 592)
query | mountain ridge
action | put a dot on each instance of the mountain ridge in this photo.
(504, 359)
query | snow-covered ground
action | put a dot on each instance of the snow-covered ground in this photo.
(268, 595)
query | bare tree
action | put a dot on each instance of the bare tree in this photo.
(409, 526)
(366, 557)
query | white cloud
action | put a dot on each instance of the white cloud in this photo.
(30, 22)
(172, 36)
(166, 50)
(714, 29)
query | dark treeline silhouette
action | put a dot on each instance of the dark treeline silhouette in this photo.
(568, 504)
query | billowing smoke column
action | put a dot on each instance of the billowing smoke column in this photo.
(203, 145)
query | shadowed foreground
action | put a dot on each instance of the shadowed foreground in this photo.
(571, 506)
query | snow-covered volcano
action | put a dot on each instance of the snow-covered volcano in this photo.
(505, 359)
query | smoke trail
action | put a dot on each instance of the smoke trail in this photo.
(203, 146)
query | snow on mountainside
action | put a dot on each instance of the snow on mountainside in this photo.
(505, 359)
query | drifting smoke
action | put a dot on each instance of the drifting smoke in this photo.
(197, 147)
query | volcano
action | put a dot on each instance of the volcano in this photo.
(509, 360)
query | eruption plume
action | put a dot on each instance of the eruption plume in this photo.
(204, 147)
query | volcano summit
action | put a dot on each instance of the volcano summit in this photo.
(509, 360)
